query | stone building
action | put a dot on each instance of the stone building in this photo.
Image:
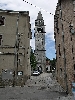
(40, 42)
(64, 34)
(15, 34)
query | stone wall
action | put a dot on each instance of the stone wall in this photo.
(64, 41)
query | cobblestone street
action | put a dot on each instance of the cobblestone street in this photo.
(41, 87)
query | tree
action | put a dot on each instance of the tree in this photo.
(47, 59)
(53, 63)
(32, 60)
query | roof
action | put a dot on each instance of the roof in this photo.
(12, 11)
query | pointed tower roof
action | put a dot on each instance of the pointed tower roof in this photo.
(39, 16)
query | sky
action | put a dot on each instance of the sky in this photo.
(46, 7)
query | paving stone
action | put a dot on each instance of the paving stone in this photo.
(48, 89)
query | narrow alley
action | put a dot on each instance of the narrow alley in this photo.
(42, 87)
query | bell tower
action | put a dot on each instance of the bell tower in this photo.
(40, 42)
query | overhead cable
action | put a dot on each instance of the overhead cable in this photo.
(44, 10)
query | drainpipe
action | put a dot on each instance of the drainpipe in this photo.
(16, 52)
(17, 42)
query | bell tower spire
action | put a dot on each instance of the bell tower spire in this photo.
(39, 16)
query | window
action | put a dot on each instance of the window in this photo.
(19, 60)
(56, 23)
(58, 30)
(20, 72)
(59, 50)
(40, 30)
(64, 50)
(27, 52)
(74, 75)
(74, 66)
(28, 34)
(2, 20)
(5, 70)
(72, 48)
(0, 39)
(71, 38)
(63, 37)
